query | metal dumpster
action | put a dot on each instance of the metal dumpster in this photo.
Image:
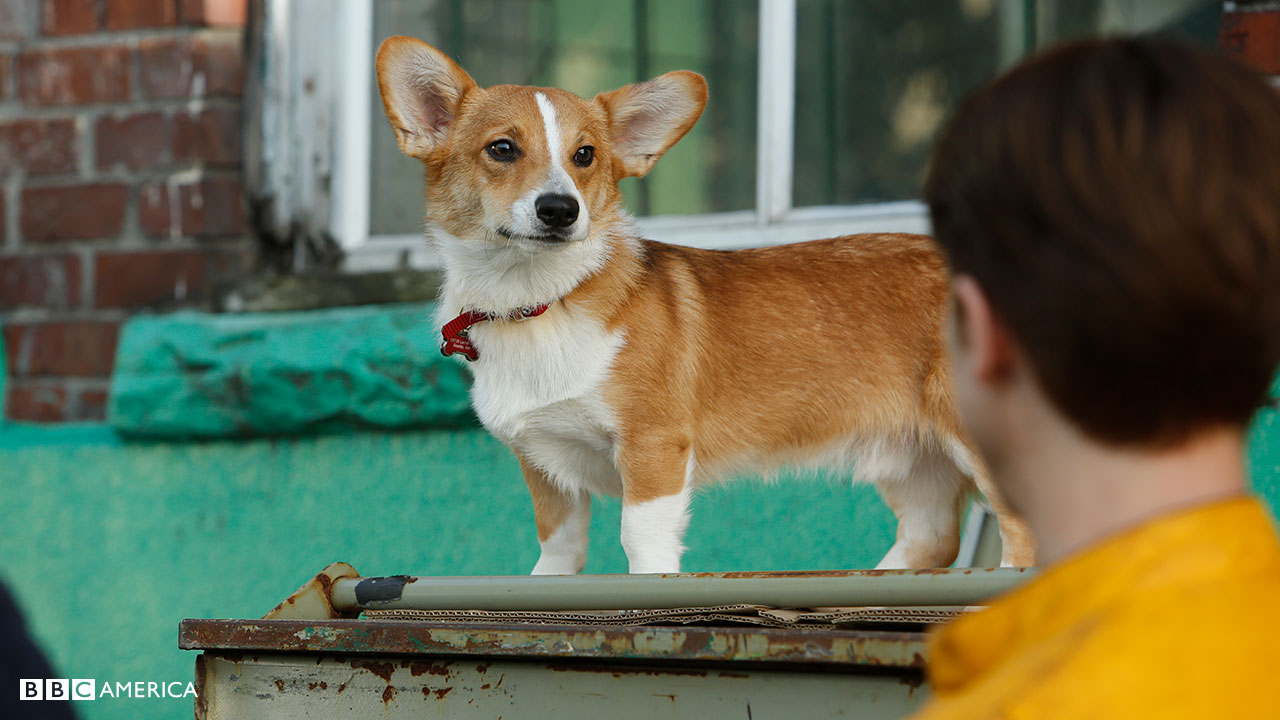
(752, 645)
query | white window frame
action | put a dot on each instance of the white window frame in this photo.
(773, 221)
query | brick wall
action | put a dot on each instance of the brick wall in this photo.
(1251, 34)
(119, 182)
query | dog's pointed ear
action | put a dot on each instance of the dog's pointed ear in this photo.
(647, 118)
(421, 91)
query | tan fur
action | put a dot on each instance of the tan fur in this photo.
(828, 338)
(550, 503)
(747, 368)
(746, 359)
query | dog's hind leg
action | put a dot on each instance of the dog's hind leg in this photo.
(1017, 545)
(926, 497)
(562, 518)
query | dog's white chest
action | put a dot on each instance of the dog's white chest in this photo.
(539, 387)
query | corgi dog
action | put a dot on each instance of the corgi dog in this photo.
(618, 366)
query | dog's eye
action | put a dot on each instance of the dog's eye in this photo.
(584, 156)
(502, 150)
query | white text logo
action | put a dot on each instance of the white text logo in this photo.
(85, 689)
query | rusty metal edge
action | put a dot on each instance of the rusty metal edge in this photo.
(314, 599)
(686, 644)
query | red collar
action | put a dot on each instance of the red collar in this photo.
(455, 331)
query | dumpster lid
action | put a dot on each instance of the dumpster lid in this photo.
(665, 644)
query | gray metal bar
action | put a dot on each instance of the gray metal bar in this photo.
(968, 586)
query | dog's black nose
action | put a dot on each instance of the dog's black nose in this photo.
(557, 211)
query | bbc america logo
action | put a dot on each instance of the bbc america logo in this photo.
(47, 689)
(57, 689)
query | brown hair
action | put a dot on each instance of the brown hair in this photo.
(1119, 202)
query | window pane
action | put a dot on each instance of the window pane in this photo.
(1057, 20)
(876, 79)
(587, 46)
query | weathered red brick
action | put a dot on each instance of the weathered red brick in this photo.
(93, 404)
(50, 281)
(129, 14)
(1253, 38)
(191, 12)
(162, 278)
(73, 76)
(161, 139)
(210, 207)
(213, 13)
(61, 348)
(68, 17)
(211, 136)
(209, 64)
(15, 19)
(37, 402)
(140, 141)
(55, 401)
(155, 215)
(72, 212)
(6, 72)
(37, 146)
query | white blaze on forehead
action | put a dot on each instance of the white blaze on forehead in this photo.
(559, 180)
(550, 124)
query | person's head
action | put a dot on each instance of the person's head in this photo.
(1111, 212)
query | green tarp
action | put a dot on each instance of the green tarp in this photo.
(201, 375)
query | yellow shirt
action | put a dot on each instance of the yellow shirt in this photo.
(1177, 618)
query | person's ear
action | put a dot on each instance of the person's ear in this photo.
(983, 346)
